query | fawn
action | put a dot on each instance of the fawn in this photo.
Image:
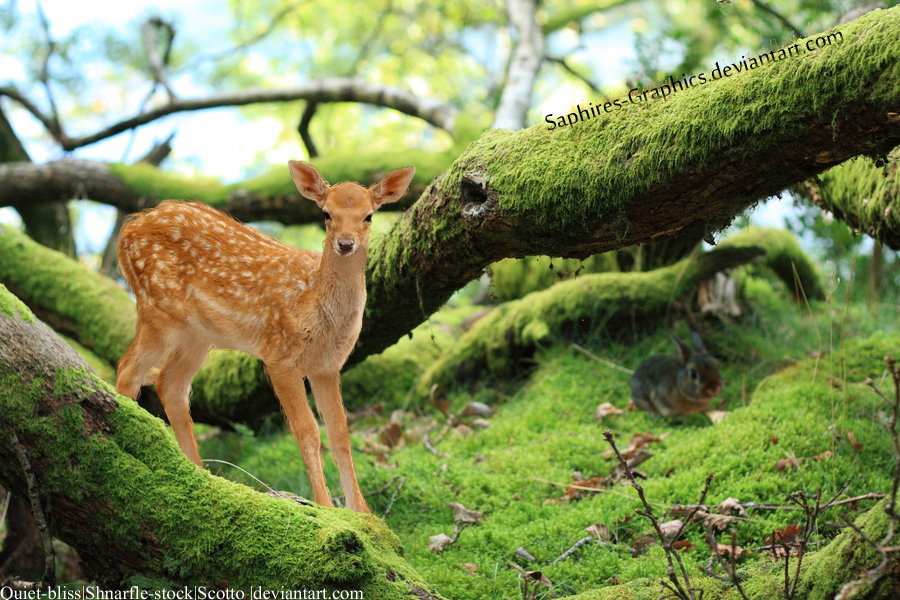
(203, 280)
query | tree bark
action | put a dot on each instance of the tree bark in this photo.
(132, 188)
(652, 172)
(48, 223)
(524, 65)
(863, 195)
(115, 486)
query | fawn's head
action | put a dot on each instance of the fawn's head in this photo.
(348, 206)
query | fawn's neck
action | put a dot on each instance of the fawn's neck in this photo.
(341, 280)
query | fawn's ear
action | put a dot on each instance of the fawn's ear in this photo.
(308, 181)
(393, 186)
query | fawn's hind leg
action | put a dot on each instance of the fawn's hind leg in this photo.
(174, 387)
(145, 352)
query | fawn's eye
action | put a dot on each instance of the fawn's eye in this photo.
(327, 216)
(369, 218)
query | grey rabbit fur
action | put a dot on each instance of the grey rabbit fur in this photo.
(677, 385)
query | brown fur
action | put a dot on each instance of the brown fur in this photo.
(203, 280)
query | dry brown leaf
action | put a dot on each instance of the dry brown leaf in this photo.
(537, 576)
(788, 535)
(598, 530)
(728, 550)
(392, 434)
(786, 463)
(824, 456)
(639, 441)
(641, 544)
(477, 409)
(573, 492)
(773, 439)
(465, 515)
(719, 522)
(470, 567)
(481, 423)
(437, 543)
(671, 528)
(728, 505)
(606, 409)
(852, 437)
(682, 545)
(716, 416)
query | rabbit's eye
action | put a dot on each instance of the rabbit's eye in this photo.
(693, 373)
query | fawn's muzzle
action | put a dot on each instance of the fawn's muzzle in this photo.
(346, 247)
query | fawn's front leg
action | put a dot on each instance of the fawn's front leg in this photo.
(292, 395)
(327, 392)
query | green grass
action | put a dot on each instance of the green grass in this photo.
(544, 430)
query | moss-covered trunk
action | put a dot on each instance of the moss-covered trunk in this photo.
(48, 223)
(865, 196)
(499, 341)
(114, 485)
(98, 314)
(647, 171)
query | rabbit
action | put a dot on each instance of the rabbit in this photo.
(677, 385)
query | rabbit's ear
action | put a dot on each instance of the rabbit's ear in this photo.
(683, 351)
(698, 343)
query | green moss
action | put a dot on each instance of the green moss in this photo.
(104, 370)
(785, 258)
(512, 330)
(513, 278)
(90, 307)
(210, 531)
(547, 431)
(865, 195)
(149, 181)
(12, 306)
(569, 179)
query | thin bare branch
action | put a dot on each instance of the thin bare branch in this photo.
(303, 128)
(45, 65)
(152, 30)
(561, 61)
(319, 90)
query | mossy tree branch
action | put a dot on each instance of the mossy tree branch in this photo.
(648, 171)
(511, 332)
(865, 196)
(130, 188)
(116, 487)
(100, 315)
(644, 173)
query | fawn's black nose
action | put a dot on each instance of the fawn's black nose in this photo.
(345, 247)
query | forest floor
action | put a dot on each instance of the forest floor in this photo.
(795, 416)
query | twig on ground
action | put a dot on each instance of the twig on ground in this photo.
(874, 575)
(394, 495)
(728, 567)
(684, 591)
(602, 360)
(426, 441)
(576, 546)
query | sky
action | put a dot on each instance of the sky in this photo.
(207, 141)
